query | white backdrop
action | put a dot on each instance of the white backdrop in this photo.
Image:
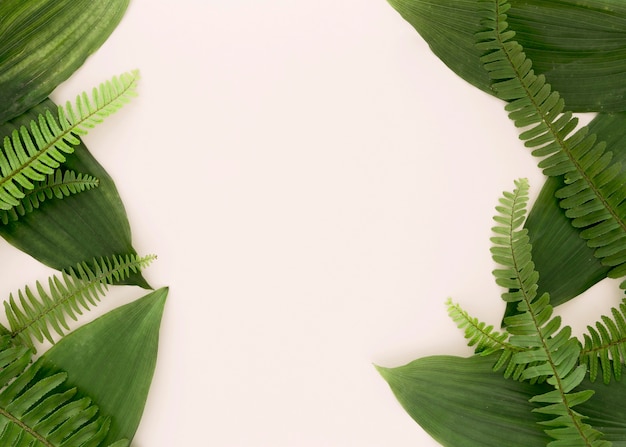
(316, 184)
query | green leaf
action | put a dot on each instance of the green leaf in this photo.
(32, 151)
(112, 360)
(461, 402)
(92, 224)
(580, 46)
(44, 42)
(567, 265)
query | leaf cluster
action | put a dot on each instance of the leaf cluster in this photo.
(491, 41)
(59, 400)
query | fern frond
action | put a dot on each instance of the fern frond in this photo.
(485, 339)
(37, 410)
(594, 196)
(57, 185)
(36, 311)
(481, 336)
(30, 153)
(605, 346)
(546, 351)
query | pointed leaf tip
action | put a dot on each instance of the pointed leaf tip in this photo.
(122, 346)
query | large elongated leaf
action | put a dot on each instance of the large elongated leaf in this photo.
(580, 45)
(112, 359)
(566, 265)
(78, 228)
(462, 402)
(43, 42)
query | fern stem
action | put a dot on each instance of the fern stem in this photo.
(80, 287)
(48, 136)
(528, 299)
(12, 419)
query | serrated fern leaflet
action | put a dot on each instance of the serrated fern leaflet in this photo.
(30, 153)
(37, 409)
(57, 185)
(34, 313)
(594, 196)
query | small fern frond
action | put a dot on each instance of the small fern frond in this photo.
(481, 336)
(605, 346)
(37, 410)
(32, 152)
(485, 339)
(546, 351)
(36, 311)
(593, 197)
(57, 185)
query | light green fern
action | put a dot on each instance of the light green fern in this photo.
(35, 312)
(32, 152)
(58, 185)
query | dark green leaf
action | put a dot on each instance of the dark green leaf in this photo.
(462, 402)
(579, 45)
(566, 265)
(44, 42)
(74, 229)
(112, 360)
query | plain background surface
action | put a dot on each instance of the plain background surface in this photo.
(315, 183)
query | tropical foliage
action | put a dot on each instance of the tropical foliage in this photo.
(545, 379)
(61, 207)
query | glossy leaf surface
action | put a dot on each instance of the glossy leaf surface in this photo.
(43, 42)
(113, 358)
(462, 402)
(64, 232)
(579, 45)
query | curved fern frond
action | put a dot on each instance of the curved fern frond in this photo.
(486, 340)
(30, 153)
(37, 410)
(546, 350)
(605, 346)
(35, 312)
(57, 185)
(594, 196)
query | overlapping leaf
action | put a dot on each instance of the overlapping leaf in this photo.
(463, 402)
(580, 46)
(44, 42)
(37, 409)
(92, 224)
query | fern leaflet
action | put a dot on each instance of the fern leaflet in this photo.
(605, 346)
(57, 185)
(486, 340)
(546, 350)
(30, 153)
(78, 289)
(37, 410)
(594, 196)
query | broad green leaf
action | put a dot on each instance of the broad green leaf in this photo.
(580, 45)
(77, 228)
(566, 265)
(43, 42)
(112, 360)
(462, 402)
